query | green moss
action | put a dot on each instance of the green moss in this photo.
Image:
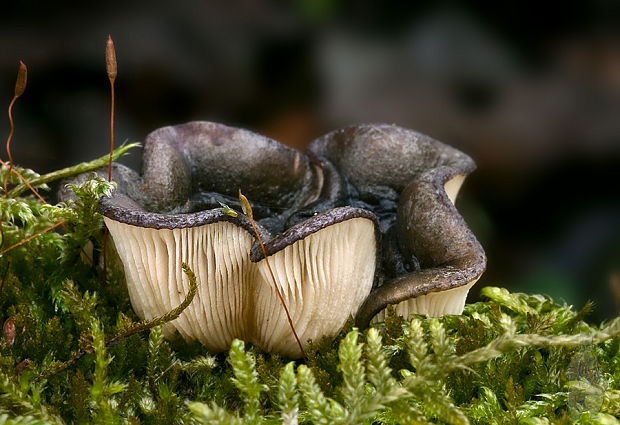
(511, 359)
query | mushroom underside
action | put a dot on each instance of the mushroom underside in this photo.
(432, 304)
(323, 278)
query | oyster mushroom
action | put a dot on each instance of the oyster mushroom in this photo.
(364, 220)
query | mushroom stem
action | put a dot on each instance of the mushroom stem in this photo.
(247, 210)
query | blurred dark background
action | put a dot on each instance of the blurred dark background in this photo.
(531, 93)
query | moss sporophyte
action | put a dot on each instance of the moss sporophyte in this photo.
(360, 229)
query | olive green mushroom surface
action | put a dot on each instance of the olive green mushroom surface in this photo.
(364, 219)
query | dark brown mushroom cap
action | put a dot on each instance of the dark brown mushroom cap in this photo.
(123, 209)
(180, 161)
(380, 160)
(429, 225)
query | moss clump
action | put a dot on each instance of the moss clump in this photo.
(79, 354)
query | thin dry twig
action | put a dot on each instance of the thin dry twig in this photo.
(29, 238)
(22, 178)
(247, 210)
(132, 329)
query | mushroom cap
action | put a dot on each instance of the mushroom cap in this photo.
(324, 265)
(202, 157)
(380, 160)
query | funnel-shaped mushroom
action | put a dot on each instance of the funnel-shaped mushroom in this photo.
(369, 206)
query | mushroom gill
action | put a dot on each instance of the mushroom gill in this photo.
(324, 275)
(156, 283)
(324, 278)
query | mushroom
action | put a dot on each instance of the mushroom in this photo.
(324, 265)
(363, 220)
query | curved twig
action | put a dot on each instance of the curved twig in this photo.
(130, 330)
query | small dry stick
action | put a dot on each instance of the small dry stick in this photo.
(28, 239)
(247, 210)
(20, 86)
(7, 194)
